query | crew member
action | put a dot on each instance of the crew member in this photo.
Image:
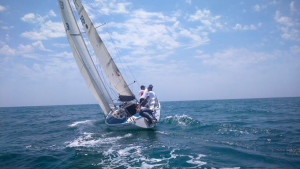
(141, 92)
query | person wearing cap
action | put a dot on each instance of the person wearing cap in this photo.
(150, 96)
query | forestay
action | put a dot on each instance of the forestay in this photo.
(83, 58)
(108, 65)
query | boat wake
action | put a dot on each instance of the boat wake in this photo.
(181, 120)
(128, 150)
(77, 123)
(134, 157)
(87, 140)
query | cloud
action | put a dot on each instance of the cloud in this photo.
(50, 69)
(150, 31)
(292, 6)
(208, 21)
(257, 8)
(52, 13)
(260, 7)
(30, 17)
(7, 37)
(188, 2)
(39, 45)
(7, 27)
(153, 31)
(246, 27)
(46, 31)
(286, 21)
(36, 18)
(203, 15)
(198, 38)
(145, 29)
(109, 7)
(46, 28)
(2, 8)
(6, 50)
(35, 46)
(63, 55)
(289, 28)
(24, 50)
(235, 58)
(61, 45)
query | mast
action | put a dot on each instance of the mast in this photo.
(83, 58)
(105, 60)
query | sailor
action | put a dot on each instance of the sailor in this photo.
(148, 99)
(141, 92)
(150, 96)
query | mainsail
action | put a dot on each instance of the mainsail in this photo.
(83, 58)
(108, 65)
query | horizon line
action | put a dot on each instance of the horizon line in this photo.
(160, 101)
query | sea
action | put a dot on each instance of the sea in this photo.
(241, 133)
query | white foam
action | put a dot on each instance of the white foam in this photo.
(128, 150)
(180, 119)
(133, 154)
(109, 151)
(79, 122)
(125, 157)
(196, 160)
(146, 166)
(117, 157)
(172, 154)
(162, 132)
(87, 140)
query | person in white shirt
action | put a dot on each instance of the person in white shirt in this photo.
(150, 96)
(141, 92)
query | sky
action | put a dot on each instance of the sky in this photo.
(188, 49)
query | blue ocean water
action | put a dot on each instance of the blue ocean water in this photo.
(249, 133)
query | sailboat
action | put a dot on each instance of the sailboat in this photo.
(119, 114)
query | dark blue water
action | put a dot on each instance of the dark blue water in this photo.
(253, 133)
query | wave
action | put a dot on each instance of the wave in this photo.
(181, 120)
(80, 123)
(134, 155)
(87, 140)
(196, 160)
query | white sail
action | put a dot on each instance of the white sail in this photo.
(108, 65)
(83, 58)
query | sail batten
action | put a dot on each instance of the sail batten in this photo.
(105, 60)
(83, 58)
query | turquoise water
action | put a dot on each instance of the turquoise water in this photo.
(253, 133)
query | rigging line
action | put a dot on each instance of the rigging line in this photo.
(92, 81)
(93, 57)
(107, 84)
(100, 25)
(105, 80)
(117, 57)
(113, 58)
(98, 73)
(121, 61)
(131, 83)
(117, 51)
